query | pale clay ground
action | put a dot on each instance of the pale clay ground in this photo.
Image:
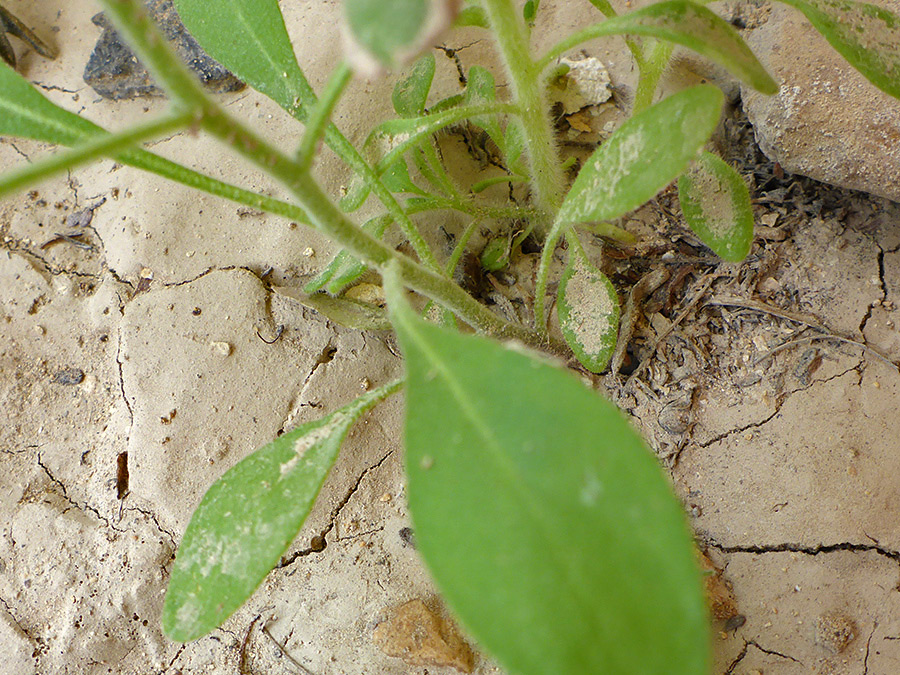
(789, 479)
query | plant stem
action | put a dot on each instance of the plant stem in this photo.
(512, 40)
(130, 18)
(320, 116)
(143, 159)
(96, 147)
(543, 273)
(652, 69)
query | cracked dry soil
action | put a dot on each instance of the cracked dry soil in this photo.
(152, 337)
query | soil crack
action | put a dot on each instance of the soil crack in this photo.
(752, 643)
(18, 624)
(152, 516)
(84, 508)
(879, 301)
(759, 549)
(752, 425)
(319, 541)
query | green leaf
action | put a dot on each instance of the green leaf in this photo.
(347, 312)
(514, 144)
(396, 179)
(248, 518)
(25, 113)
(394, 137)
(495, 256)
(249, 38)
(344, 269)
(411, 93)
(644, 155)
(391, 31)
(716, 204)
(588, 310)
(686, 23)
(471, 16)
(545, 521)
(866, 35)
(480, 88)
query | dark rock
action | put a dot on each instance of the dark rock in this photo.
(114, 71)
(69, 376)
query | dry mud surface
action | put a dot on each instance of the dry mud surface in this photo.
(766, 388)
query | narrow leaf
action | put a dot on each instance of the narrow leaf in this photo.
(25, 113)
(248, 518)
(249, 38)
(347, 312)
(588, 310)
(393, 138)
(716, 205)
(410, 95)
(866, 35)
(545, 521)
(480, 88)
(643, 156)
(686, 23)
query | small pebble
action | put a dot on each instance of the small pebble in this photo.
(69, 376)
(221, 348)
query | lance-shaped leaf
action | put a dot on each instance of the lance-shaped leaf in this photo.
(249, 38)
(588, 309)
(716, 205)
(866, 35)
(545, 521)
(686, 23)
(410, 94)
(248, 518)
(480, 88)
(25, 113)
(643, 156)
(344, 311)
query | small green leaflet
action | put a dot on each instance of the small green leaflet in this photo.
(248, 518)
(344, 269)
(716, 205)
(644, 155)
(588, 309)
(410, 94)
(866, 35)
(480, 88)
(547, 524)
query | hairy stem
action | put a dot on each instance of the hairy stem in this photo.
(512, 40)
(130, 18)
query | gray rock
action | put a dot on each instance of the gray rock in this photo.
(114, 71)
(826, 121)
